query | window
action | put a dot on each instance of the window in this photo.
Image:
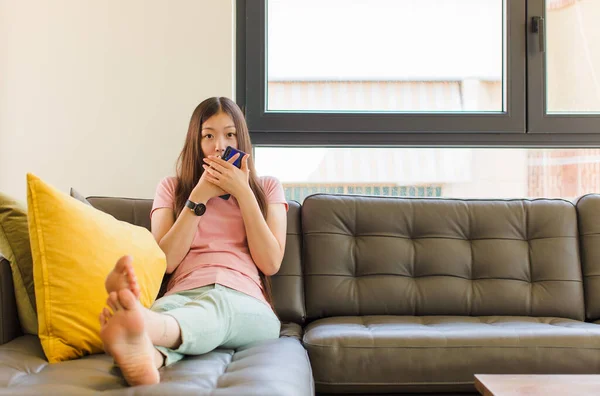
(420, 72)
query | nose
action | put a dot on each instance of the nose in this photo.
(220, 146)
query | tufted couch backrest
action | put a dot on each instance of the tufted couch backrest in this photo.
(588, 212)
(403, 256)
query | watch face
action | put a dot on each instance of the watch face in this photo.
(200, 209)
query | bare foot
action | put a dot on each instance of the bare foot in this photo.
(123, 277)
(126, 340)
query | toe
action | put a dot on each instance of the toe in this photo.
(113, 301)
(128, 260)
(120, 265)
(127, 263)
(127, 299)
(123, 263)
(134, 286)
(104, 316)
(131, 278)
(131, 275)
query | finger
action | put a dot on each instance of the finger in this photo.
(245, 162)
(229, 163)
(234, 158)
(211, 171)
(219, 160)
(213, 180)
(214, 159)
(218, 166)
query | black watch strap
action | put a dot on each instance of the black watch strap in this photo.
(197, 208)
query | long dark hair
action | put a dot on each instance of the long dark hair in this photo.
(189, 163)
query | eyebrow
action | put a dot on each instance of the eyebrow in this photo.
(212, 129)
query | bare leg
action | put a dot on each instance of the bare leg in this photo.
(125, 338)
(163, 329)
(123, 277)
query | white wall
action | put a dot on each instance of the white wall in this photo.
(97, 95)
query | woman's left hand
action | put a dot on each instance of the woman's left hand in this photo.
(227, 176)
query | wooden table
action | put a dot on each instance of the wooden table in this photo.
(520, 385)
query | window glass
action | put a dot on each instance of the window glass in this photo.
(386, 55)
(573, 56)
(426, 172)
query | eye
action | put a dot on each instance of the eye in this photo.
(208, 136)
(230, 134)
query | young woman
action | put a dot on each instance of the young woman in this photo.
(220, 254)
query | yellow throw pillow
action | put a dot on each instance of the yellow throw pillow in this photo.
(74, 247)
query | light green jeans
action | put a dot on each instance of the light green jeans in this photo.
(216, 316)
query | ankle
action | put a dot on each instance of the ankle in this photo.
(151, 318)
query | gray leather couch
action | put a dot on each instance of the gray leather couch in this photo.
(387, 295)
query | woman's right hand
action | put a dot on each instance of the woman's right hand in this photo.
(205, 190)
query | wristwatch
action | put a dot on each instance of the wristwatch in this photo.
(197, 208)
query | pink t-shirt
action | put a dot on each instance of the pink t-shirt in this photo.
(219, 252)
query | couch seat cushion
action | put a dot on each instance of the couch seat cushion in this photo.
(442, 353)
(277, 367)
